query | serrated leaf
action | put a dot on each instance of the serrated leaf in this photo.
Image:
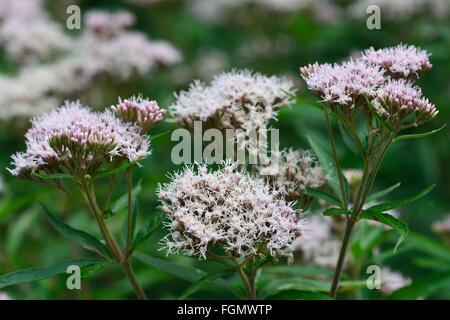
(327, 163)
(82, 238)
(187, 273)
(151, 224)
(382, 193)
(33, 274)
(54, 176)
(388, 220)
(106, 173)
(418, 135)
(375, 113)
(319, 194)
(334, 211)
(308, 103)
(204, 282)
(396, 204)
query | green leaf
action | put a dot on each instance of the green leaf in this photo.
(33, 274)
(382, 193)
(327, 163)
(204, 282)
(419, 135)
(432, 264)
(186, 273)
(396, 204)
(151, 224)
(429, 246)
(297, 271)
(134, 214)
(319, 194)
(106, 173)
(54, 176)
(333, 211)
(375, 113)
(95, 269)
(156, 136)
(348, 139)
(82, 238)
(122, 202)
(423, 287)
(308, 103)
(388, 220)
(299, 295)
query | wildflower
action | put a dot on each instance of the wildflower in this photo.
(107, 24)
(296, 171)
(397, 99)
(146, 114)
(344, 85)
(226, 209)
(392, 280)
(76, 138)
(402, 61)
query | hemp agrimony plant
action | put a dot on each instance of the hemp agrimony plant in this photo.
(373, 98)
(71, 148)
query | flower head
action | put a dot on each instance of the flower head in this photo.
(296, 171)
(146, 114)
(343, 84)
(399, 98)
(402, 61)
(107, 24)
(236, 99)
(227, 209)
(73, 136)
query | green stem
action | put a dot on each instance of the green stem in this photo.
(247, 286)
(130, 211)
(128, 269)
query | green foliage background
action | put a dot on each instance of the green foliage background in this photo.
(27, 239)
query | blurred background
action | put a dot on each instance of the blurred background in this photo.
(171, 43)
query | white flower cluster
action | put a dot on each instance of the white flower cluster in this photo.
(227, 209)
(103, 50)
(27, 34)
(234, 100)
(295, 171)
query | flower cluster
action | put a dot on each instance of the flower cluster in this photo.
(294, 171)
(397, 99)
(146, 114)
(392, 280)
(234, 100)
(343, 84)
(400, 62)
(76, 138)
(91, 58)
(227, 209)
(442, 226)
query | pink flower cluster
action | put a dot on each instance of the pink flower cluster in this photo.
(146, 114)
(75, 137)
(343, 84)
(109, 24)
(402, 61)
(398, 99)
(226, 209)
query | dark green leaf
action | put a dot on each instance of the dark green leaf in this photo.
(204, 282)
(348, 139)
(33, 274)
(156, 136)
(388, 220)
(429, 246)
(299, 295)
(106, 173)
(151, 224)
(95, 269)
(382, 193)
(396, 204)
(419, 135)
(319, 194)
(54, 176)
(333, 211)
(82, 238)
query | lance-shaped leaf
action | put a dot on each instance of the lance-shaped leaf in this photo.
(396, 204)
(82, 238)
(319, 194)
(151, 224)
(382, 193)
(204, 282)
(33, 274)
(388, 220)
(334, 211)
(54, 176)
(106, 173)
(419, 135)
(423, 287)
